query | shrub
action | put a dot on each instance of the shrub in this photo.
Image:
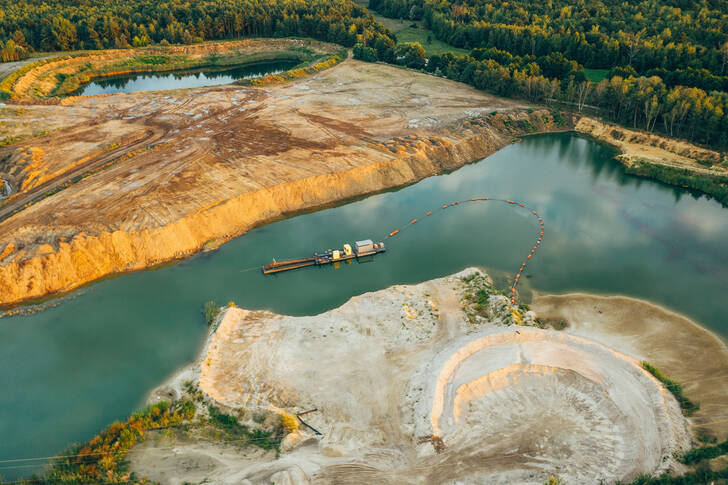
(210, 310)
(265, 439)
(705, 453)
(688, 407)
(290, 422)
(101, 458)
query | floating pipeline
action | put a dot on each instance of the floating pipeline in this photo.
(517, 276)
(539, 238)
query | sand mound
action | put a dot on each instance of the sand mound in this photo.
(409, 391)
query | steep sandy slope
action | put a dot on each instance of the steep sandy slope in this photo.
(218, 161)
(636, 145)
(678, 346)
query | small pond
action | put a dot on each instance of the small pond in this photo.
(157, 81)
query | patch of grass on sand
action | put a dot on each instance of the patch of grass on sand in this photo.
(688, 407)
(267, 439)
(697, 455)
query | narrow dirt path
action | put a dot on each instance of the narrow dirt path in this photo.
(11, 207)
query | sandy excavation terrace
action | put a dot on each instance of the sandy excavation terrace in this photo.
(411, 390)
(194, 167)
(209, 144)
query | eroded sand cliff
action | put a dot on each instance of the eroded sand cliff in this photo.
(214, 162)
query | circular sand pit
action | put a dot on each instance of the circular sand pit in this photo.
(533, 403)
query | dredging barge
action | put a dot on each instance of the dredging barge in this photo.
(361, 249)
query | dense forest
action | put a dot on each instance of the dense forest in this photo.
(666, 61)
(58, 25)
(668, 34)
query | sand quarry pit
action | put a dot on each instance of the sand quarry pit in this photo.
(408, 391)
(538, 400)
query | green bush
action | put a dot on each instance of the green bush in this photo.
(210, 310)
(688, 407)
(265, 439)
(703, 475)
(697, 455)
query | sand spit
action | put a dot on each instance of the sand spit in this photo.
(410, 390)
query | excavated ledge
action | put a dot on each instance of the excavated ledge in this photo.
(89, 257)
(556, 396)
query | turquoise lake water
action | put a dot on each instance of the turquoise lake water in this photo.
(70, 370)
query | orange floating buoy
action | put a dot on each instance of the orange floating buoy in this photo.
(513, 290)
(474, 199)
(444, 206)
(534, 213)
(429, 214)
(413, 221)
(510, 202)
(484, 198)
(542, 233)
(529, 256)
(393, 233)
(521, 205)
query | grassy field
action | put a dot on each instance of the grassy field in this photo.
(595, 75)
(422, 35)
(405, 32)
(395, 25)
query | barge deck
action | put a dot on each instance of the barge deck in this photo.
(347, 253)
